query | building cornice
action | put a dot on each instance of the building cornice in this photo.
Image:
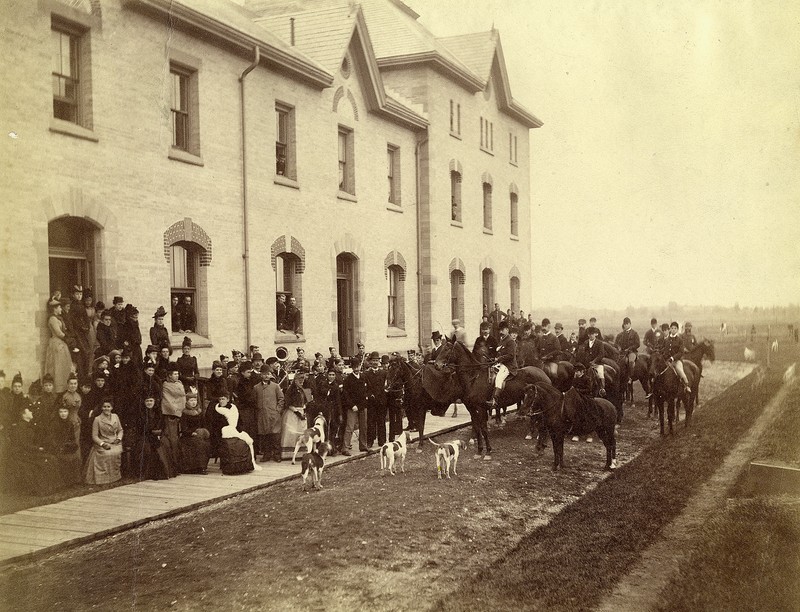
(305, 69)
(466, 79)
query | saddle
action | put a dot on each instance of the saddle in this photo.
(493, 369)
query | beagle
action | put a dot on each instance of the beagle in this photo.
(394, 451)
(448, 453)
(313, 464)
(311, 436)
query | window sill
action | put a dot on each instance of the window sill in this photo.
(396, 332)
(513, 163)
(59, 126)
(198, 341)
(456, 224)
(286, 181)
(343, 195)
(514, 237)
(282, 337)
(394, 207)
(455, 135)
(185, 157)
(488, 232)
(487, 151)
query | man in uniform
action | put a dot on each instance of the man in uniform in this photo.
(354, 405)
(506, 359)
(652, 337)
(628, 342)
(375, 379)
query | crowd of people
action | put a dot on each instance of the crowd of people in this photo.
(106, 407)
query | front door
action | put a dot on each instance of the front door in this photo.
(345, 312)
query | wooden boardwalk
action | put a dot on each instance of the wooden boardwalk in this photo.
(40, 531)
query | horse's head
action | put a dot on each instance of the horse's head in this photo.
(396, 374)
(531, 394)
(446, 355)
(657, 362)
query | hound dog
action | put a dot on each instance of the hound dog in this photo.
(311, 436)
(446, 454)
(313, 464)
(395, 451)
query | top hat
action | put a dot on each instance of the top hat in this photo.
(436, 335)
(118, 299)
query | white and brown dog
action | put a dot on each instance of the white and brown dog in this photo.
(446, 454)
(313, 464)
(392, 452)
(311, 436)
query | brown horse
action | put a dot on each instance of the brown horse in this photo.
(668, 388)
(703, 350)
(570, 412)
(476, 387)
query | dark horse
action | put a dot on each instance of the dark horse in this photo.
(641, 372)
(476, 387)
(410, 377)
(668, 388)
(703, 350)
(569, 412)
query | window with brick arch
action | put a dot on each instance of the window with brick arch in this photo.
(455, 196)
(457, 295)
(186, 286)
(289, 284)
(395, 309)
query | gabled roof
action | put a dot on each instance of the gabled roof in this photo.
(482, 52)
(233, 24)
(326, 35)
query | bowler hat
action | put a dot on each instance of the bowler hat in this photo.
(374, 355)
(118, 299)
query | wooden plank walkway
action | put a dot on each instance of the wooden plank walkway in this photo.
(41, 531)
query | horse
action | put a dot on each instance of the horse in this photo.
(401, 374)
(641, 372)
(703, 350)
(560, 372)
(476, 387)
(571, 412)
(668, 388)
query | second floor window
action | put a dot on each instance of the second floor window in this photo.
(66, 76)
(285, 146)
(346, 168)
(514, 215)
(179, 108)
(455, 196)
(455, 117)
(393, 170)
(487, 206)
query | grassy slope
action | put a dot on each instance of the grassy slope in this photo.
(578, 557)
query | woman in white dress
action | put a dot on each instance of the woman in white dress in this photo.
(231, 414)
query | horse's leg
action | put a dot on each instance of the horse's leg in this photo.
(484, 429)
(541, 439)
(558, 449)
(476, 432)
(420, 422)
(661, 401)
(671, 406)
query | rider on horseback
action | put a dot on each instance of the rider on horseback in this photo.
(506, 358)
(689, 341)
(549, 347)
(592, 353)
(628, 342)
(673, 351)
(652, 337)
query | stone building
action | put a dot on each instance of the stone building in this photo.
(335, 153)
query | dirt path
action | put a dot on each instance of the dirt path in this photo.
(641, 588)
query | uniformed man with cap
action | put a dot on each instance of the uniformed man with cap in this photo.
(628, 342)
(375, 382)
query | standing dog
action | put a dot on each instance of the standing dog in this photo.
(313, 464)
(394, 451)
(311, 436)
(446, 454)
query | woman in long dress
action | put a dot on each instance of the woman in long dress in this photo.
(105, 459)
(63, 442)
(58, 361)
(194, 443)
(294, 415)
(231, 414)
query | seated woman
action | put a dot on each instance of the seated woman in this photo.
(32, 470)
(231, 414)
(105, 457)
(194, 442)
(63, 441)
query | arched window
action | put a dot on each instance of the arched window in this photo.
(455, 196)
(289, 284)
(514, 284)
(457, 281)
(514, 214)
(487, 289)
(487, 206)
(395, 269)
(187, 248)
(71, 250)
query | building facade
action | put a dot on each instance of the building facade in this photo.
(236, 152)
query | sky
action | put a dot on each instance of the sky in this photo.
(668, 166)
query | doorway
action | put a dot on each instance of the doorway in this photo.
(346, 265)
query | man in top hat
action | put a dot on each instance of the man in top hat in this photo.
(375, 379)
(485, 346)
(628, 342)
(118, 312)
(591, 354)
(549, 346)
(506, 359)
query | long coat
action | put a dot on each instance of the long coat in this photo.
(269, 406)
